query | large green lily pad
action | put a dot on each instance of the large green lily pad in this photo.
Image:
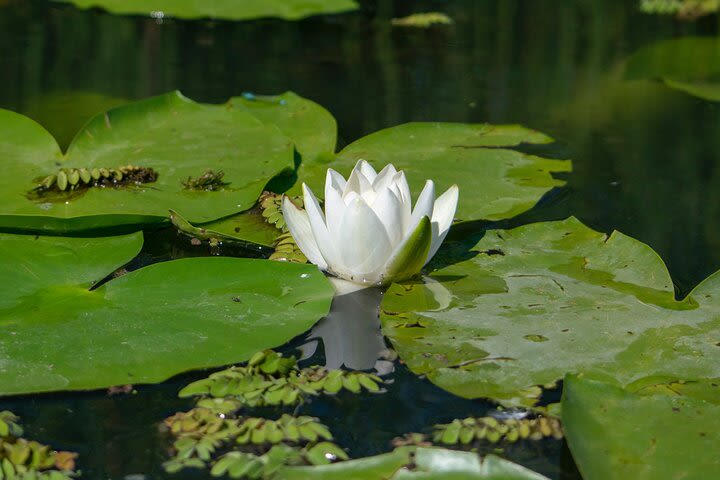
(220, 9)
(495, 183)
(526, 306)
(688, 64)
(145, 326)
(616, 435)
(171, 134)
(427, 463)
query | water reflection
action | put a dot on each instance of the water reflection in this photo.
(350, 334)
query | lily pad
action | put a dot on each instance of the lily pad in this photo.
(64, 112)
(175, 136)
(495, 183)
(312, 128)
(428, 463)
(220, 9)
(145, 326)
(688, 64)
(523, 307)
(615, 434)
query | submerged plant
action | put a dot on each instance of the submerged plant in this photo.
(368, 233)
(26, 459)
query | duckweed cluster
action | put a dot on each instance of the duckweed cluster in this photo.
(27, 459)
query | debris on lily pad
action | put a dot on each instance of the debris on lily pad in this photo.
(208, 181)
(26, 459)
(423, 20)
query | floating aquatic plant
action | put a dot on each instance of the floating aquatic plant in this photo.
(286, 249)
(71, 179)
(27, 459)
(494, 430)
(684, 9)
(369, 234)
(251, 447)
(271, 379)
(423, 20)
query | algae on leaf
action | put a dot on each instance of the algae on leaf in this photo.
(615, 434)
(144, 326)
(220, 9)
(534, 303)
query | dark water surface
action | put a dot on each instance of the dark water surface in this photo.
(646, 158)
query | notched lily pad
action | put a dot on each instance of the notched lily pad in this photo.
(495, 181)
(220, 9)
(145, 326)
(174, 136)
(563, 298)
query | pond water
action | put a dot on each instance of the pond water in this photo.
(645, 157)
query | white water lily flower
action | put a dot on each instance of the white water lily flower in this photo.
(368, 233)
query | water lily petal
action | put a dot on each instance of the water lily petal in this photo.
(364, 243)
(384, 178)
(334, 209)
(388, 209)
(356, 183)
(367, 170)
(334, 180)
(424, 205)
(400, 182)
(320, 232)
(299, 226)
(408, 258)
(443, 214)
